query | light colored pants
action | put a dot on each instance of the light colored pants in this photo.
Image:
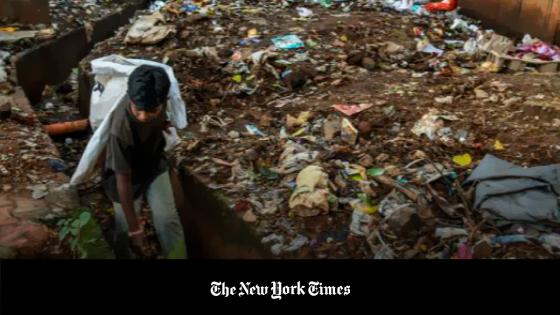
(166, 220)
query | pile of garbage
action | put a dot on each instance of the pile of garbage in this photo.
(71, 14)
(66, 16)
(28, 160)
(351, 129)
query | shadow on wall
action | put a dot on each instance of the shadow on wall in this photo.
(212, 230)
(540, 18)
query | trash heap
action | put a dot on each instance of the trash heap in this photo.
(57, 109)
(71, 14)
(354, 129)
(59, 101)
(32, 172)
(27, 157)
(66, 16)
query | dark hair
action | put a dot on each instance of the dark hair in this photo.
(148, 87)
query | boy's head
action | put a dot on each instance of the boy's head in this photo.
(148, 87)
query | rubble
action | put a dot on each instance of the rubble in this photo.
(65, 16)
(146, 30)
(339, 135)
(405, 222)
(311, 194)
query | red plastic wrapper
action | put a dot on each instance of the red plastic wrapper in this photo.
(417, 31)
(446, 5)
(350, 110)
(463, 252)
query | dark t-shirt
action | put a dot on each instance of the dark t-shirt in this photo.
(134, 147)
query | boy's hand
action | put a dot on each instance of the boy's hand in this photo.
(167, 126)
(139, 245)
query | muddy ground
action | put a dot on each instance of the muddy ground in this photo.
(226, 91)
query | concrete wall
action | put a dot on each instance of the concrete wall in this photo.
(540, 18)
(25, 11)
(212, 230)
(51, 62)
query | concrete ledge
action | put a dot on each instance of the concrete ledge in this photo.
(50, 63)
(86, 81)
(107, 26)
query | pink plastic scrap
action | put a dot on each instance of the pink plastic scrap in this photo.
(445, 5)
(463, 252)
(350, 110)
(544, 50)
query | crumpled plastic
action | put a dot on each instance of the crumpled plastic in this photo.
(392, 203)
(543, 50)
(492, 42)
(348, 133)
(310, 197)
(288, 42)
(294, 158)
(431, 123)
(146, 31)
(360, 222)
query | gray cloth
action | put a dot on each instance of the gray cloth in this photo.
(514, 193)
(166, 220)
(135, 147)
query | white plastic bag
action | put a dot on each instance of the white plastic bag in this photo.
(111, 76)
(171, 139)
(360, 222)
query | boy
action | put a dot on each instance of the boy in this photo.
(135, 165)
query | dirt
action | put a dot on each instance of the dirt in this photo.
(403, 89)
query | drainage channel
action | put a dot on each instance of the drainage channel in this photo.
(53, 61)
(212, 230)
(46, 78)
(54, 85)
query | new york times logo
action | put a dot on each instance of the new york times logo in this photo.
(277, 289)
